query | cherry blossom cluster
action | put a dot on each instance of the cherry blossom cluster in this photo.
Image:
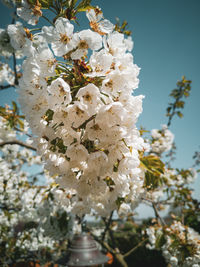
(162, 140)
(180, 244)
(76, 93)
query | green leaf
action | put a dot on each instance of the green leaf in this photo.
(179, 114)
(15, 108)
(160, 241)
(49, 115)
(119, 201)
(21, 124)
(45, 3)
(110, 183)
(58, 145)
(84, 5)
(186, 93)
(153, 164)
(154, 168)
(83, 9)
(180, 104)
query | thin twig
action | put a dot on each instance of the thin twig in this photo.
(19, 130)
(107, 226)
(84, 123)
(119, 257)
(157, 214)
(15, 69)
(48, 20)
(14, 15)
(117, 254)
(51, 9)
(2, 87)
(5, 207)
(163, 202)
(134, 248)
(17, 142)
(36, 29)
(36, 174)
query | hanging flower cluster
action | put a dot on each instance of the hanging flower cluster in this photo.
(81, 109)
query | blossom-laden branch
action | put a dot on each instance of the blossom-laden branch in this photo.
(83, 105)
(17, 142)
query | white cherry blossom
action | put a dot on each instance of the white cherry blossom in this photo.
(97, 23)
(29, 13)
(62, 37)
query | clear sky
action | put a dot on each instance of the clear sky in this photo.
(166, 36)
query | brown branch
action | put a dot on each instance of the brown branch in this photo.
(19, 130)
(5, 207)
(163, 202)
(157, 214)
(15, 69)
(116, 252)
(2, 87)
(154, 206)
(108, 223)
(134, 248)
(83, 125)
(17, 142)
(119, 257)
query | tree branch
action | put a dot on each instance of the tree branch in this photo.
(19, 130)
(17, 142)
(2, 87)
(107, 225)
(15, 69)
(117, 254)
(134, 248)
(5, 207)
(157, 214)
(119, 257)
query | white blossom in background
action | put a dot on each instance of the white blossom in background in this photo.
(17, 35)
(29, 13)
(171, 179)
(162, 140)
(6, 74)
(6, 48)
(29, 218)
(176, 238)
(188, 178)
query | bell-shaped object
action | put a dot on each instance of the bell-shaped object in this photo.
(83, 251)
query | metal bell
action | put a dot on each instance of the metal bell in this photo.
(83, 251)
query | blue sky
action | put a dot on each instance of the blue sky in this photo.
(166, 36)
